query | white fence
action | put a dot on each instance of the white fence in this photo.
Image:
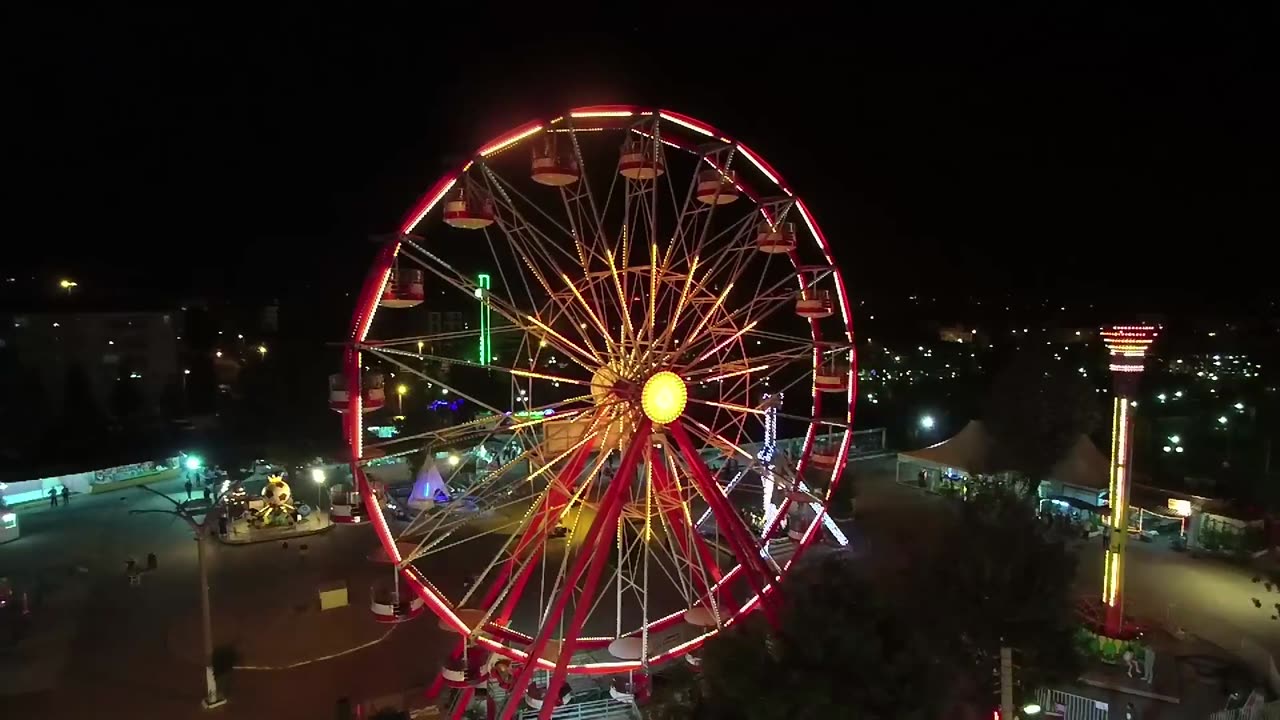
(1058, 704)
(1270, 711)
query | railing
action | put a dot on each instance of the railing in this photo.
(1270, 711)
(1058, 704)
(589, 710)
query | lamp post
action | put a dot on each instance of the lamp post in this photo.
(68, 285)
(401, 389)
(212, 698)
(317, 475)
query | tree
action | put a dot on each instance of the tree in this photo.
(1006, 583)
(916, 635)
(1036, 411)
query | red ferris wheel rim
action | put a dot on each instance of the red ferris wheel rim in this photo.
(368, 303)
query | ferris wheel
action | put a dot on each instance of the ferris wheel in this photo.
(649, 313)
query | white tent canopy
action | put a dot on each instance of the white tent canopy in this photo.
(968, 451)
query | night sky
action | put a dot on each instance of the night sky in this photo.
(175, 151)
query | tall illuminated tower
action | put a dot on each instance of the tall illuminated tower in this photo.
(482, 292)
(1128, 346)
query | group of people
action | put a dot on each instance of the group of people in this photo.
(53, 496)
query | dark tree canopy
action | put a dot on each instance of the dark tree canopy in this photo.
(1036, 410)
(915, 636)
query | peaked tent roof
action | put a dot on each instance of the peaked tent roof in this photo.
(968, 450)
(1083, 466)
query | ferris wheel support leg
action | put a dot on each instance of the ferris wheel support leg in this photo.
(558, 499)
(461, 702)
(680, 526)
(748, 554)
(592, 558)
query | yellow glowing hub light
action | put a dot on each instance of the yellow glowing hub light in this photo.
(663, 397)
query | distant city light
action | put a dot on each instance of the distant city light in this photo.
(262, 349)
(1168, 449)
(1222, 420)
(68, 284)
(1178, 449)
(186, 372)
(218, 354)
(1239, 406)
(1175, 439)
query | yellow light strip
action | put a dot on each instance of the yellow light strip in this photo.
(622, 295)
(736, 373)
(745, 329)
(594, 318)
(653, 287)
(706, 318)
(586, 355)
(554, 378)
(684, 294)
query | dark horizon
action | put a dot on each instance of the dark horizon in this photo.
(1059, 154)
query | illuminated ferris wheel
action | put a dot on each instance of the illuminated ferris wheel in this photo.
(656, 307)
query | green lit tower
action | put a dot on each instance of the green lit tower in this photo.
(482, 293)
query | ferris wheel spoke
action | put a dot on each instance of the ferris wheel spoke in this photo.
(500, 590)
(503, 307)
(588, 563)
(740, 538)
(698, 557)
(530, 243)
(760, 412)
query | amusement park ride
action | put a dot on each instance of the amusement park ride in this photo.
(695, 299)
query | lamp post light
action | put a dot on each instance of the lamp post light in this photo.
(199, 528)
(401, 391)
(317, 475)
(68, 285)
(927, 422)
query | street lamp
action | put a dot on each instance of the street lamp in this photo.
(1222, 419)
(317, 474)
(199, 528)
(1031, 709)
(401, 390)
(68, 285)
(927, 422)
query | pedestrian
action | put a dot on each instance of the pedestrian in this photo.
(1131, 662)
(1149, 664)
(53, 497)
(1130, 712)
(187, 485)
(66, 495)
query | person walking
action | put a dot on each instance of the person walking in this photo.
(53, 497)
(187, 485)
(66, 495)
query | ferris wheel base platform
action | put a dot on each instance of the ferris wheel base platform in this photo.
(397, 612)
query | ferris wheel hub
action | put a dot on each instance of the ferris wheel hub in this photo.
(664, 397)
